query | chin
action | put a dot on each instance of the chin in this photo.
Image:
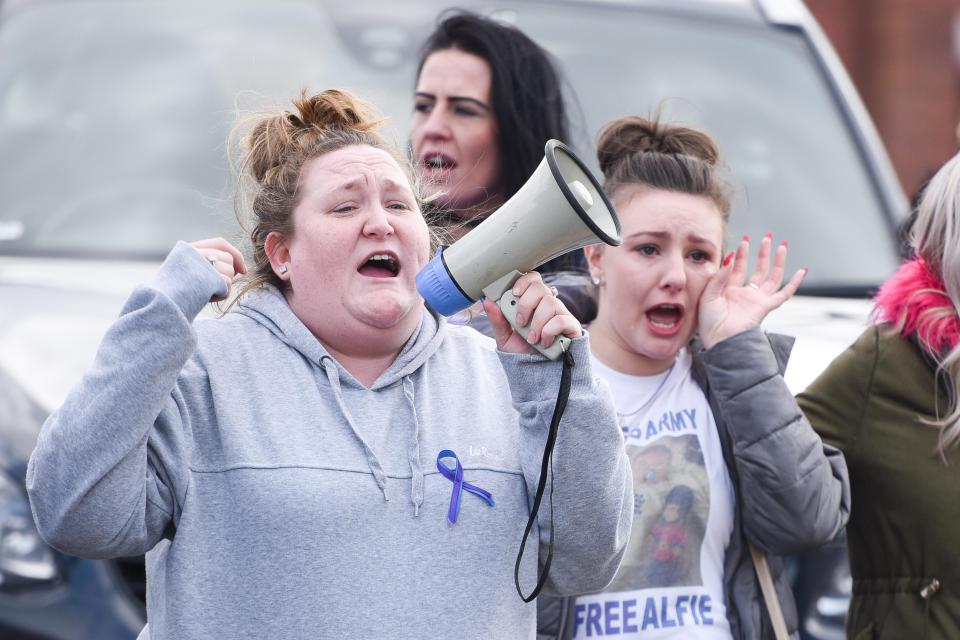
(661, 349)
(387, 313)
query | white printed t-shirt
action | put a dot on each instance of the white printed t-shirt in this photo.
(670, 583)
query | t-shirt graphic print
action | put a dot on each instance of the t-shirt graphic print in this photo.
(670, 583)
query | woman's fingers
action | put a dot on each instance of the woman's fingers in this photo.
(222, 256)
(541, 312)
(222, 251)
(790, 288)
(549, 309)
(528, 290)
(775, 279)
(762, 267)
(498, 322)
(561, 324)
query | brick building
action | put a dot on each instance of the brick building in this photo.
(904, 58)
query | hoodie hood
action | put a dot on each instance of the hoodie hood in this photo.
(269, 308)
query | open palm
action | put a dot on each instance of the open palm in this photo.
(730, 303)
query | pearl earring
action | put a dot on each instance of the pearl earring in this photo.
(596, 280)
(283, 268)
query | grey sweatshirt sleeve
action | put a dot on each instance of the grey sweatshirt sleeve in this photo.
(109, 470)
(794, 489)
(592, 483)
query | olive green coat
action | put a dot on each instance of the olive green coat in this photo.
(904, 528)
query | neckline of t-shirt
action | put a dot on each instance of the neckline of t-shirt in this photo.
(655, 384)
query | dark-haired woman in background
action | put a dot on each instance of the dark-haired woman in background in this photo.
(728, 475)
(488, 98)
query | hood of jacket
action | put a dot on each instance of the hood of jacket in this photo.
(268, 307)
(915, 301)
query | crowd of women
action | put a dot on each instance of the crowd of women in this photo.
(330, 458)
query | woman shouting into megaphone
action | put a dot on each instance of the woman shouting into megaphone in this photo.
(329, 459)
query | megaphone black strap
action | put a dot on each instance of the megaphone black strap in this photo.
(546, 465)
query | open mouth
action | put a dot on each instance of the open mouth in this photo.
(436, 161)
(665, 318)
(380, 265)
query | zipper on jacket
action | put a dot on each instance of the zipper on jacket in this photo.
(930, 589)
(927, 593)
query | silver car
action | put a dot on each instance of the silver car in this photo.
(113, 121)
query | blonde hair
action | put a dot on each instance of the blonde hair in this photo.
(935, 237)
(275, 148)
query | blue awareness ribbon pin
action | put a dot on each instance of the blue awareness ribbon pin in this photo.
(455, 475)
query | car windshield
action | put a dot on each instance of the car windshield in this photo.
(113, 141)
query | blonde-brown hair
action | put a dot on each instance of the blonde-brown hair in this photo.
(634, 150)
(274, 150)
(935, 237)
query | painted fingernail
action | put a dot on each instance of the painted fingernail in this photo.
(746, 238)
(783, 243)
(727, 260)
(769, 235)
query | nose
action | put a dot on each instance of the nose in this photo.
(674, 275)
(435, 127)
(377, 223)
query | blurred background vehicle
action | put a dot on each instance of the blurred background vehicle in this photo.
(113, 121)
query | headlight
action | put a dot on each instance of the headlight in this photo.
(25, 559)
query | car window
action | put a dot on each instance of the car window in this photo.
(113, 140)
(793, 162)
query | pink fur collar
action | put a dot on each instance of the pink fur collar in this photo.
(914, 300)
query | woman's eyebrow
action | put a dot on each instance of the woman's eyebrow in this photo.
(474, 101)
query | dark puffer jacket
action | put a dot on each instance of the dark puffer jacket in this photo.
(792, 491)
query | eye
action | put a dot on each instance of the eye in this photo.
(466, 111)
(699, 256)
(345, 208)
(398, 206)
(647, 249)
(423, 107)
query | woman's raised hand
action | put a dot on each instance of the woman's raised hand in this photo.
(731, 303)
(538, 308)
(224, 257)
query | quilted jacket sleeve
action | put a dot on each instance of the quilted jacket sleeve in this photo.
(794, 488)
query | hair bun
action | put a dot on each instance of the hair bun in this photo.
(275, 136)
(631, 135)
(334, 109)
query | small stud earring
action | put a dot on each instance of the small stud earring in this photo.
(596, 280)
(283, 268)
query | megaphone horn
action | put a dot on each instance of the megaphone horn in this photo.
(559, 209)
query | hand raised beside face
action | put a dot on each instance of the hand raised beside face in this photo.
(731, 303)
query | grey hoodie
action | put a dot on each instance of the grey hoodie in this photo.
(277, 497)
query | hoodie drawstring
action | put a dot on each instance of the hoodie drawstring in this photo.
(372, 461)
(413, 452)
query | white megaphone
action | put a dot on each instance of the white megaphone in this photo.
(559, 209)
